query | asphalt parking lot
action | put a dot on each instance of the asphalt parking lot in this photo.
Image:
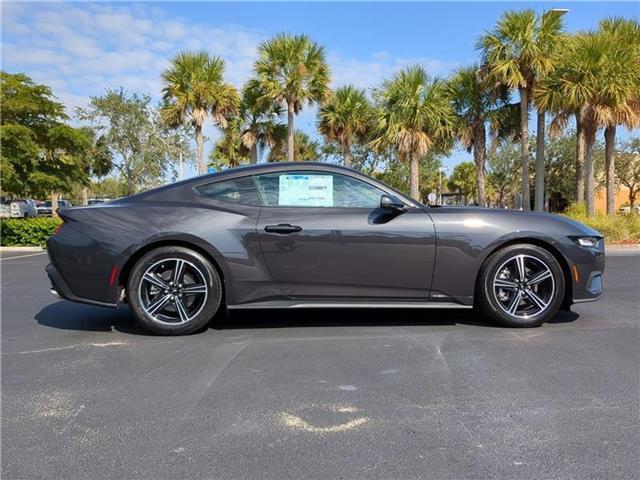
(319, 394)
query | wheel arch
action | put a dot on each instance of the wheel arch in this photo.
(566, 270)
(170, 242)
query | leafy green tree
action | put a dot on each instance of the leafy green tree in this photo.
(504, 167)
(413, 117)
(143, 149)
(476, 104)
(292, 71)
(305, 149)
(463, 180)
(517, 52)
(628, 168)
(396, 174)
(194, 88)
(346, 118)
(19, 158)
(40, 154)
(29, 104)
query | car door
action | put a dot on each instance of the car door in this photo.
(323, 235)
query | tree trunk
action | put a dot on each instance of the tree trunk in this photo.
(588, 171)
(254, 153)
(414, 176)
(85, 195)
(579, 159)
(609, 155)
(202, 168)
(524, 147)
(540, 138)
(479, 158)
(632, 199)
(290, 132)
(54, 204)
(346, 151)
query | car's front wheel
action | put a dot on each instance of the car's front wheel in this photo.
(174, 291)
(520, 286)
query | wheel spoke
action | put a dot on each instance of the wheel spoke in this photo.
(514, 303)
(522, 272)
(503, 283)
(182, 311)
(158, 304)
(536, 299)
(155, 280)
(539, 277)
(192, 289)
(178, 272)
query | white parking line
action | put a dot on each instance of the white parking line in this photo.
(21, 256)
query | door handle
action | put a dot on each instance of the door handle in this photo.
(283, 228)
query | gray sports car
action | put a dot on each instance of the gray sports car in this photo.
(300, 235)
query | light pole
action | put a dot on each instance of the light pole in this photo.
(440, 172)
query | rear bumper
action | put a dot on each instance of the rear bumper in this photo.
(60, 289)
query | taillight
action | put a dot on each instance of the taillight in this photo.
(58, 228)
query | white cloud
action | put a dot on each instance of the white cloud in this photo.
(81, 49)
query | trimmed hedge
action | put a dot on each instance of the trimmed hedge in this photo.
(31, 232)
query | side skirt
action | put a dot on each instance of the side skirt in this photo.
(345, 304)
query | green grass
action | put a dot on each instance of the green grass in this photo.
(621, 228)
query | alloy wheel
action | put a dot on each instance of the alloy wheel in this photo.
(523, 286)
(173, 291)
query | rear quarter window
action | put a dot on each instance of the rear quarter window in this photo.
(236, 190)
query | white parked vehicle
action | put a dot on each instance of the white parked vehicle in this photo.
(627, 209)
(23, 208)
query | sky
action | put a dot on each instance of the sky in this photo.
(80, 49)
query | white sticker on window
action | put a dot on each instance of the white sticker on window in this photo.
(306, 190)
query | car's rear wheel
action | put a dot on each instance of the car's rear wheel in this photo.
(520, 286)
(174, 291)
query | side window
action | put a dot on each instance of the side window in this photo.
(236, 190)
(316, 189)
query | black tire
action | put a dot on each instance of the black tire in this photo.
(198, 309)
(496, 301)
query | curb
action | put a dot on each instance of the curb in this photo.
(634, 247)
(21, 249)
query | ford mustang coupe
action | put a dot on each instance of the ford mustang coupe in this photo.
(300, 235)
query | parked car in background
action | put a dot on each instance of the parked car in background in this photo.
(44, 208)
(5, 209)
(95, 201)
(23, 208)
(627, 209)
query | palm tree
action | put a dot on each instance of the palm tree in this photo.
(413, 116)
(518, 51)
(345, 118)
(305, 149)
(194, 88)
(230, 150)
(292, 71)
(624, 111)
(594, 77)
(475, 104)
(259, 116)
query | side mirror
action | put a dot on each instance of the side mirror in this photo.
(390, 202)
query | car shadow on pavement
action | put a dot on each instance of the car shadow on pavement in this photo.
(364, 317)
(74, 316)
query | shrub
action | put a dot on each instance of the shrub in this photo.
(27, 231)
(620, 228)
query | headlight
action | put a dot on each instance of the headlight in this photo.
(586, 241)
